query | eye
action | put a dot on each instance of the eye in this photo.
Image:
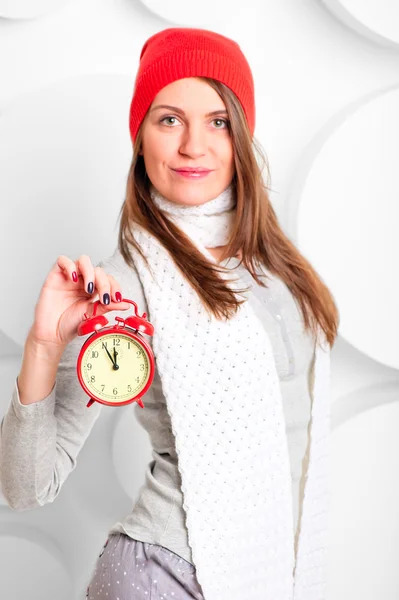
(164, 119)
(222, 121)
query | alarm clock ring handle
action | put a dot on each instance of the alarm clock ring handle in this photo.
(138, 322)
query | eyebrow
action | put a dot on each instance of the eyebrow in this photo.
(179, 110)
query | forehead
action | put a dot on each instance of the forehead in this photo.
(189, 94)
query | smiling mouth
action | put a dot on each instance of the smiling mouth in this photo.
(192, 174)
(193, 170)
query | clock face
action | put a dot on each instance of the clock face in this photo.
(105, 381)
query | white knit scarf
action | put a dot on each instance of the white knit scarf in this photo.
(223, 396)
(211, 222)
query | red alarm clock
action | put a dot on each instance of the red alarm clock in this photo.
(116, 364)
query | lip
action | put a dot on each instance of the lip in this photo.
(192, 172)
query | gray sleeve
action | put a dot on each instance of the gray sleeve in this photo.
(40, 442)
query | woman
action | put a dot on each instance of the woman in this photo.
(235, 500)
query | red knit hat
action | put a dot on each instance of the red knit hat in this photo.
(179, 52)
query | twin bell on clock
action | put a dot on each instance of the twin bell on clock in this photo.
(116, 364)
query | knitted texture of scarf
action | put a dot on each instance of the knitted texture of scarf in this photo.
(223, 396)
(211, 222)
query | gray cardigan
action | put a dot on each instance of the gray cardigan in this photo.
(40, 442)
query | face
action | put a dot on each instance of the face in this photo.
(185, 135)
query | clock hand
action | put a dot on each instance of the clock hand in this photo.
(115, 353)
(106, 349)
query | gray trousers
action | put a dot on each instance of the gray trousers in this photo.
(128, 569)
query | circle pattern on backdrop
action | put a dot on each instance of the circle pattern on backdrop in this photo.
(29, 9)
(364, 498)
(65, 152)
(375, 19)
(44, 573)
(205, 14)
(351, 192)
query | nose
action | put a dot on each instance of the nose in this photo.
(193, 142)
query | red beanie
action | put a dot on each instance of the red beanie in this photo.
(179, 52)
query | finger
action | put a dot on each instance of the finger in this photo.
(102, 285)
(85, 270)
(115, 288)
(67, 267)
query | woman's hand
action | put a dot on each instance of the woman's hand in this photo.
(63, 301)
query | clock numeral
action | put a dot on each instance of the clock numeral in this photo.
(89, 366)
(141, 367)
(94, 354)
(117, 341)
(115, 391)
(129, 388)
(92, 378)
(138, 353)
(137, 379)
(103, 387)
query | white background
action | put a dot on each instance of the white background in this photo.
(327, 116)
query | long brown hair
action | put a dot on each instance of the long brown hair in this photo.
(256, 235)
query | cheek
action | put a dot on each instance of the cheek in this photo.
(159, 149)
(226, 152)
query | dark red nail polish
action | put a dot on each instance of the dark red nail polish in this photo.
(118, 296)
(74, 276)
